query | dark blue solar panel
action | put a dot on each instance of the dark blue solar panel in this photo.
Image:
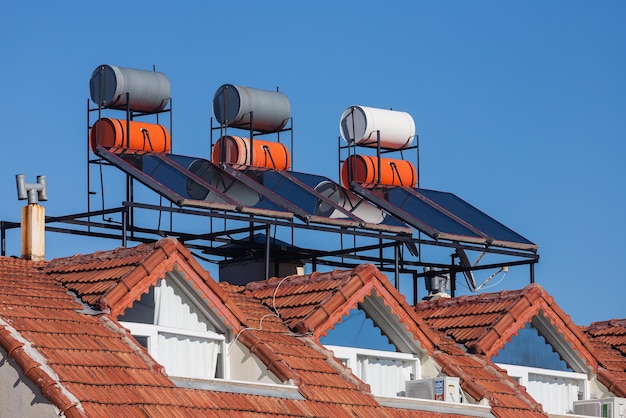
(473, 216)
(308, 191)
(198, 182)
(222, 181)
(191, 181)
(427, 214)
(442, 215)
(287, 189)
(177, 181)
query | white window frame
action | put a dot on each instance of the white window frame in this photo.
(350, 357)
(151, 332)
(521, 373)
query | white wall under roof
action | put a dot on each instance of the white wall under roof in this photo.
(19, 396)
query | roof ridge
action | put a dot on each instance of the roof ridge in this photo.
(118, 253)
(482, 297)
(144, 272)
(17, 260)
(610, 323)
(359, 281)
(296, 280)
(165, 258)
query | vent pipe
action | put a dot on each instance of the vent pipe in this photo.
(437, 284)
(33, 217)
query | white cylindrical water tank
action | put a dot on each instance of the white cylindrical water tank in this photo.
(349, 201)
(232, 106)
(361, 124)
(148, 91)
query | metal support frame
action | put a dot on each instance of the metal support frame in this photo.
(238, 224)
(82, 224)
(351, 149)
(129, 115)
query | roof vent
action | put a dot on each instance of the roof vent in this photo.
(33, 217)
(437, 285)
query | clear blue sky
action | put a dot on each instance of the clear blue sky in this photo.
(520, 106)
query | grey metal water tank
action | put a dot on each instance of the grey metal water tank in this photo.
(148, 91)
(232, 106)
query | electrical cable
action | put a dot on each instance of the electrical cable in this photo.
(496, 283)
(276, 314)
(501, 269)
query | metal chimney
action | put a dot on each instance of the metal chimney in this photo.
(437, 284)
(33, 217)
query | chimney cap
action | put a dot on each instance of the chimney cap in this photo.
(31, 191)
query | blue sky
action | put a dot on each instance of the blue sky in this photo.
(520, 106)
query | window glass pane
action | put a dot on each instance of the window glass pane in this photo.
(529, 348)
(143, 341)
(142, 310)
(386, 376)
(177, 310)
(185, 356)
(556, 394)
(357, 330)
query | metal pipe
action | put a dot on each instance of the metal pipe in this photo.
(251, 137)
(3, 239)
(396, 254)
(378, 155)
(291, 143)
(267, 251)
(452, 276)
(88, 164)
(124, 224)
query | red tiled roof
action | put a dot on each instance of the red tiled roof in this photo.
(482, 379)
(88, 365)
(116, 279)
(67, 354)
(320, 378)
(485, 323)
(315, 303)
(609, 344)
(85, 362)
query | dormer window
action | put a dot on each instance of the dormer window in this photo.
(379, 350)
(178, 332)
(385, 371)
(539, 359)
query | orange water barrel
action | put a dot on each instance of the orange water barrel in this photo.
(143, 136)
(364, 169)
(237, 151)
